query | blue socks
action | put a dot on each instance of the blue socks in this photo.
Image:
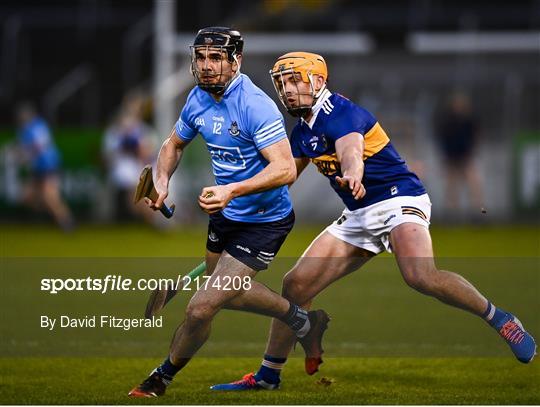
(494, 316)
(270, 369)
(297, 319)
(167, 371)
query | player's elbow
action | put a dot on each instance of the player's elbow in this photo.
(289, 173)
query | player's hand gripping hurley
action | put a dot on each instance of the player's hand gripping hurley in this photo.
(146, 189)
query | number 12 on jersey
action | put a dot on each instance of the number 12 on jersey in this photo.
(217, 128)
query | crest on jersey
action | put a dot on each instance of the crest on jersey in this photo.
(234, 131)
(212, 236)
(324, 142)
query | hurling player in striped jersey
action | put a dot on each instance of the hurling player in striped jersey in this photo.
(386, 208)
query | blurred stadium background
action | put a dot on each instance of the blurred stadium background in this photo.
(84, 64)
(403, 60)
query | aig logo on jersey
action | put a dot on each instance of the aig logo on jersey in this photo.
(226, 157)
(234, 131)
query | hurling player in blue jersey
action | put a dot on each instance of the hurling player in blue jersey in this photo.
(387, 208)
(250, 209)
(38, 151)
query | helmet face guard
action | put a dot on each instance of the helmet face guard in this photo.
(301, 66)
(210, 41)
(225, 66)
(297, 110)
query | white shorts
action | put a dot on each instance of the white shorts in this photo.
(369, 228)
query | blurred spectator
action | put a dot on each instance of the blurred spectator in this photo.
(457, 132)
(129, 145)
(39, 154)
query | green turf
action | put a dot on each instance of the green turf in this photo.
(89, 241)
(386, 345)
(356, 381)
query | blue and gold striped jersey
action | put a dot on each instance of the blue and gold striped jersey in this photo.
(385, 173)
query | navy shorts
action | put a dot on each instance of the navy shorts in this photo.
(254, 244)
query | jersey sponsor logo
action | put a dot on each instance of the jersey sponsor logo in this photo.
(218, 119)
(234, 130)
(199, 121)
(229, 158)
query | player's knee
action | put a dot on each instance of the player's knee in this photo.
(199, 313)
(295, 288)
(415, 281)
(422, 278)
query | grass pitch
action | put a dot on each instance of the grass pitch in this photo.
(356, 381)
(386, 344)
(141, 241)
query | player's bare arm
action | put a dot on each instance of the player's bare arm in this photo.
(301, 164)
(281, 170)
(168, 159)
(350, 150)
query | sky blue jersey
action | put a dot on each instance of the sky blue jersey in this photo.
(235, 130)
(36, 140)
